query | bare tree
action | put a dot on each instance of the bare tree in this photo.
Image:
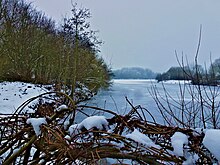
(202, 110)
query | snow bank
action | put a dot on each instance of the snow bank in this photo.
(36, 123)
(133, 81)
(212, 142)
(13, 94)
(178, 140)
(176, 82)
(141, 138)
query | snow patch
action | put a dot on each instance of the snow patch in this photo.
(67, 137)
(177, 82)
(212, 143)
(13, 94)
(74, 129)
(36, 123)
(61, 107)
(192, 159)
(141, 138)
(98, 122)
(178, 140)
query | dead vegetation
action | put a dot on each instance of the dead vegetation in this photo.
(20, 145)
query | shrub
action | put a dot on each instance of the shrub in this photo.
(33, 49)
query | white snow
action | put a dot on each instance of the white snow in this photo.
(191, 159)
(16, 150)
(74, 129)
(98, 122)
(13, 94)
(178, 140)
(212, 142)
(62, 107)
(65, 124)
(67, 137)
(88, 123)
(133, 81)
(36, 123)
(176, 82)
(141, 138)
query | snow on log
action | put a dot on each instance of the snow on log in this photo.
(36, 123)
(98, 122)
(61, 107)
(141, 139)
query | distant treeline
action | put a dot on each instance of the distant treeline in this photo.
(197, 74)
(134, 73)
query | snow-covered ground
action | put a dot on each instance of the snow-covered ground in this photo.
(13, 94)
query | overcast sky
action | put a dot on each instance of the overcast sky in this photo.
(146, 33)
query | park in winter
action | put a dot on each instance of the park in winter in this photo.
(106, 83)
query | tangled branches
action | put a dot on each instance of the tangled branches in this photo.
(110, 139)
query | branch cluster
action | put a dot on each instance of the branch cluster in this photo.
(89, 145)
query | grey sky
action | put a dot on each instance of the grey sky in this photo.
(146, 33)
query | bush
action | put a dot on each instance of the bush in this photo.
(33, 49)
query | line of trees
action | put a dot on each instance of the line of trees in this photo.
(197, 74)
(34, 49)
(134, 73)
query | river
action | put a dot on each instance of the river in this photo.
(138, 92)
